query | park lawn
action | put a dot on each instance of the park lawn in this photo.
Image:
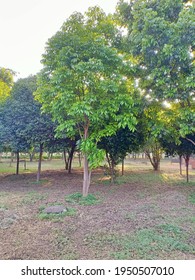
(143, 215)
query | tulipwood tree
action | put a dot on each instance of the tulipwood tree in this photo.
(87, 84)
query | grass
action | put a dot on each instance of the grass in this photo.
(77, 198)
(54, 164)
(192, 198)
(32, 197)
(148, 243)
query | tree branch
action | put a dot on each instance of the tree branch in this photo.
(190, 140)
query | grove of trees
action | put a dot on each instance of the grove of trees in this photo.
(110, 85)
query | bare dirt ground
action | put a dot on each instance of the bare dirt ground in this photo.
(143, 216)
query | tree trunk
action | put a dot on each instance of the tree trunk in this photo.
(65, 159)
(111, 167)
(154, 160)
(87, 171)
(180, 165)
(79, 155)
(39, 163)
(70, 156)
(86, 177)
(50, 156)
(17, 162)
(156, 164)
(12, 158)
(123, 165)
(187, 158)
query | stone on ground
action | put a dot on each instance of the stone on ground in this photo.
(55, 209)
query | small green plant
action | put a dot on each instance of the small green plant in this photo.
(77, 198)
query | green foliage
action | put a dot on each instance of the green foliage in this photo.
(86, 83)
(77, 198)
(21, 120)
(160, 36)
(6, 83)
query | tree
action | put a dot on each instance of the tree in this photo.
(184, 148)
(161, 37)
(23, 125)
(124, 141)
(65, 145)
(87, 84)
(6, 82)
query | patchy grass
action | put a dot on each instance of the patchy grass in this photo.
(32, 197)
(148, 243)
(192, 198)
(77, 198)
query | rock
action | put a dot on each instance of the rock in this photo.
(56, 209)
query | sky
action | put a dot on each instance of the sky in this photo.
(26, 26)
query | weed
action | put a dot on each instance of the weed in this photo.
(77, 198)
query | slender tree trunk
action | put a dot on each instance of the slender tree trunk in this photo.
(154, 160)
(50, 156)
(187, 158)
(79, 155)
(123, 165)
(39, 163)
(111, 166)
(17, 162)
(12, 159)
(112, 171)
(87, 171)
(70, 156)
(86, 177)
(65, 159)
(180, 165)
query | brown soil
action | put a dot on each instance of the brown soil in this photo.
(90, 233)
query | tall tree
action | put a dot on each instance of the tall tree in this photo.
(87, 84)
(21, 120)
(161, 37)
